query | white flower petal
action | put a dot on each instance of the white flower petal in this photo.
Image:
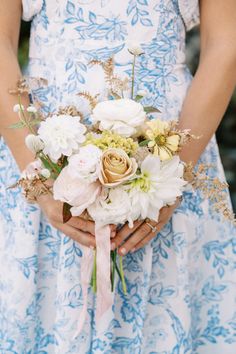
(34, 143)
(62, 135)
(151, 164)
(122, 116)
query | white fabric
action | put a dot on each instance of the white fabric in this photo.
(31, 8)
(189, 10)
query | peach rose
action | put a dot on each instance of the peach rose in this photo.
(116, 167)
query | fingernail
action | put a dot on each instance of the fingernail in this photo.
(113, 246)
(133, 250)
(91, 247)
(123, 251)
(113, 234)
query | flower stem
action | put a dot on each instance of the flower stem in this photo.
(122, 276)
(94, 275)
(23, 117)
(133, 77)
(113, 256)
(47, 161)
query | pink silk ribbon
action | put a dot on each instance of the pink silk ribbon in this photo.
(103, 246)
(86, 274)
(104, 293)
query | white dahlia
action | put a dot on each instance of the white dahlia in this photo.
(62, 135)
(157, 185)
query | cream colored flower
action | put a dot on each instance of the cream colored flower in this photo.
(62, 135)
(31, 109)
(116, 167)
(84, 164)
(165, 143)
(142, 93)
(34, 143)
(45, 173)
(18, 108)
(158, 184)
(76, 192)
(135, 48)
(112, 207)
(122, 116)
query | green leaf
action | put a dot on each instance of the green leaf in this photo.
(138, 98)
(64, 162)
(144, 143)
(46, 163)
(51, 166)
(66, 212)
(150, 109)
(17, 125)
(35, 122)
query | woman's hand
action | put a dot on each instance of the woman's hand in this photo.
(142, 232)
(77, 228)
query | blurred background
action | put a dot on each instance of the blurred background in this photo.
(226, 134)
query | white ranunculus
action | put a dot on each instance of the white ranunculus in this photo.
(158, 184)
(121, 116)
(62, 135)
(135, 48)
(34, 143)
(84, 165)
(112, 207)
(76, 192)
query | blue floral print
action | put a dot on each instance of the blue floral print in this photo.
(181, 286)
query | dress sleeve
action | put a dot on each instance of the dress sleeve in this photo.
(31, 8)
(189, 10)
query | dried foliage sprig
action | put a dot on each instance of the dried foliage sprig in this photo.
(21, 88)
(212, 189)
(93, 100)
(116, 85)
(25, 85)
(70, 111)
(33, 188)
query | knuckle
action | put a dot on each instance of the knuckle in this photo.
(80, 223)
(145, 229)
(116, 242)
(131, 242)
(90, 226)
(73, 234)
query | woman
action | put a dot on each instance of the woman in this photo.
(181, 289)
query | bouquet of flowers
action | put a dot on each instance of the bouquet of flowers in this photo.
(121, 167)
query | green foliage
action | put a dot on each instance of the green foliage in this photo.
(23, 52)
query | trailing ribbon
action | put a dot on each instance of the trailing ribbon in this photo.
(103, 280)
(86, 273)
(104, 293)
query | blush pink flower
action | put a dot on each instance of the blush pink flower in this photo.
(76, 192)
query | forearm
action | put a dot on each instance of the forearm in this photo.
(10, 73)
(207, 100)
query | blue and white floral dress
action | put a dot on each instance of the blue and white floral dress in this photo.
(182, 286)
